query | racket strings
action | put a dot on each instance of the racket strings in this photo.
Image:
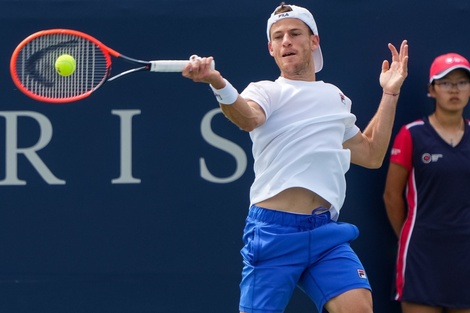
(35, 66)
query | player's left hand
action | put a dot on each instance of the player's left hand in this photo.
(393, 75)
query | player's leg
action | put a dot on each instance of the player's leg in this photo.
(337, 281)
(409, 307)
(275, 255)
(267, 289)
(352, 301)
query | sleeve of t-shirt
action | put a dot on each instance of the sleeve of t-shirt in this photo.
(350, 132)
(351, 128)
(262, 93)
(402, 149)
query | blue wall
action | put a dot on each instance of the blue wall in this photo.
(90, 231)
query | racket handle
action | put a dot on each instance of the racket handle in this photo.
(172, 65)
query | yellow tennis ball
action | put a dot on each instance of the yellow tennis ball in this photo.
(65, 65)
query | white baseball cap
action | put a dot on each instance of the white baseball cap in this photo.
(305, 16)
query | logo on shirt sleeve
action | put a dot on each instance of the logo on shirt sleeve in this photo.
(395, 151)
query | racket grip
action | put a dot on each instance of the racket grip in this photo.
(172, 65)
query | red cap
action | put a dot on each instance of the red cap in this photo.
(446, 63)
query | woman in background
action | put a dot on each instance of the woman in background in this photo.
(427, 197)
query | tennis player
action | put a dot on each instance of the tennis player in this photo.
(304, 139)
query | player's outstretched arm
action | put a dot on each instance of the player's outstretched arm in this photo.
(368, 148)
(247, 115)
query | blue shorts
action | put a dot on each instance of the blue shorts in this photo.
(284, 250)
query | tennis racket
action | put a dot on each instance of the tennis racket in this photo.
(32, 65)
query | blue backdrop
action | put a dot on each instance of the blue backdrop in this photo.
(134, 199)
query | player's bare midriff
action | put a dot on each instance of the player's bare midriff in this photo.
(295, 200)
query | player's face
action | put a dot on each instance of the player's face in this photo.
(452, 92)
(291, 45)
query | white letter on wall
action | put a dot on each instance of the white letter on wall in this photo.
(12, 150)
(126, 147)
(222, 144)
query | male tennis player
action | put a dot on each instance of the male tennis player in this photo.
(304, 138)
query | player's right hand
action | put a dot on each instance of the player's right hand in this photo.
(199, 70)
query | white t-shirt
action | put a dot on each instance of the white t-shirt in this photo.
(300, 144)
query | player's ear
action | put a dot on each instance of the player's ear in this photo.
(270, 49)
(315, 41)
